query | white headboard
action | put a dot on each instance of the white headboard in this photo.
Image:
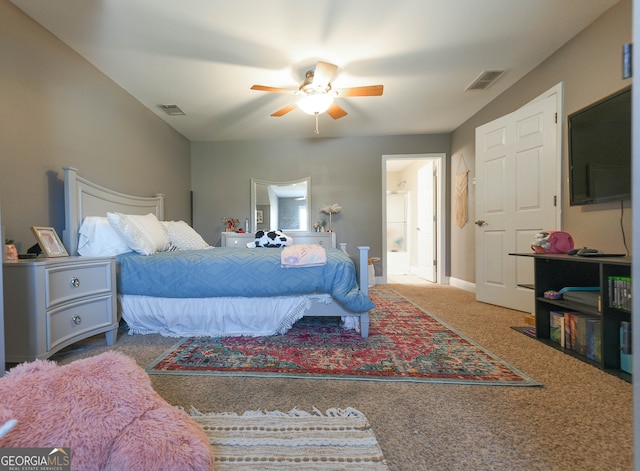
(83, 198)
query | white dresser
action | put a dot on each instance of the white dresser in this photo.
(326, 239)
(50, 303)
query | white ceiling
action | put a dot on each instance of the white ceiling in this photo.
(204, 55)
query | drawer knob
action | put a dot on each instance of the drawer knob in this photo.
(75, 282)
(77, 320)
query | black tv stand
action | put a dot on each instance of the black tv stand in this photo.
(554, 272)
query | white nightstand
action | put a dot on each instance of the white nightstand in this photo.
(50, 303)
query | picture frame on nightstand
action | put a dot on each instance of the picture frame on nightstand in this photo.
(49, 241)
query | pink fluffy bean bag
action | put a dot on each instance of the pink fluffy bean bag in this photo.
(104, 409)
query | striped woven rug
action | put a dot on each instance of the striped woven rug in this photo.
(339, 439)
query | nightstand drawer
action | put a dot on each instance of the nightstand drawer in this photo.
(73, 320)
(66, 283)
(235, 241)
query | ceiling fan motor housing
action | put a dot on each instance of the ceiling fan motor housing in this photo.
(309, 88)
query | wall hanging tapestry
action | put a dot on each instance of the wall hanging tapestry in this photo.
(462, 193)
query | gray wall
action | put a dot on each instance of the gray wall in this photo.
(57, 109)
(347, 171)
(591, 67)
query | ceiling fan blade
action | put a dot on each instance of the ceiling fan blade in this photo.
(283, 111)
(265, 88)
(336, 112)
(323, 74)
(370, 90)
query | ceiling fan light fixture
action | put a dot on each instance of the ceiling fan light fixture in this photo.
(315, 103)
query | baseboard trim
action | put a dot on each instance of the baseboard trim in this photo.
(462, 284)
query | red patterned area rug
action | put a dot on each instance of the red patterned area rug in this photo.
(405, 343)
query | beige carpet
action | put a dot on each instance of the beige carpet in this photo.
(337, 439)
(580, 419)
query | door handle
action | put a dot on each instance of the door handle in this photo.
(480, 223)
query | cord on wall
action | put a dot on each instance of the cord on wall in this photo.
(624, 237)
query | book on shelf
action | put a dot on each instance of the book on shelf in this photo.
(619, 290)
(594, 339)
(626, 356)
(625, 337)
(569, 324)
(571, 330)
(556, 327)
(580, 344)
(576, 334)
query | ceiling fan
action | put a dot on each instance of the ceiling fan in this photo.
(317, 94)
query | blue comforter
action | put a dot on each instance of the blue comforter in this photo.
(233, 272)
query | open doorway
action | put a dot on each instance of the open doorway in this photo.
(413, 214)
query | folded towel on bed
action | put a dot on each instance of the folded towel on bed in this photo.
(303, 255)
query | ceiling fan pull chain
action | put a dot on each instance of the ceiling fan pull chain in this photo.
(316, 130)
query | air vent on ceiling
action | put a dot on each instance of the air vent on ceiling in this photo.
(485, 79)
(172, 110)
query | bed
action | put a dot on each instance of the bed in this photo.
(224, 291)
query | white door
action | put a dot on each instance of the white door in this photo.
(427, 191)
(516, 195)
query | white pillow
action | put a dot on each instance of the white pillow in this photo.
(98, 239)
(143, 234)
(183, 237)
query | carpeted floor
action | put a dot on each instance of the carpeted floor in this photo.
(580, 419)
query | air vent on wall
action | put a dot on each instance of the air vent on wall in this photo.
(172, 110)
(485, 79)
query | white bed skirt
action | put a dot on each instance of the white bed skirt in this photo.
(219, 317)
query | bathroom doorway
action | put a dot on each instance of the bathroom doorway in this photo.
(412, 216)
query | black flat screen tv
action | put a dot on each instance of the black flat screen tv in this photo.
(600, 150)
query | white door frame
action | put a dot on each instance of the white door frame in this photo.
(440, 159)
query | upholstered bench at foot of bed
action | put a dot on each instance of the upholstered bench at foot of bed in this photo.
(104, 409)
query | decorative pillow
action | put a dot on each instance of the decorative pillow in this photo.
(143, 234)
(183, 237)
(277, 239)
(99, 239)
